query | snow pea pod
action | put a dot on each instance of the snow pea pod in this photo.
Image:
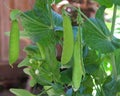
(14, 44)
(77, 66)
(68, 41)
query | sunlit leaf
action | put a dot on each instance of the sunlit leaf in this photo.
(117, 2)
(96, 38)
(107, 3)
(21, 92)
(14, 14)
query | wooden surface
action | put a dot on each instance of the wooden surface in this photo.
(5, 23)
(8, 74)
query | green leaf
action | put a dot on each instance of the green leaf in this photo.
(44, 77)
(92, 61)
(117, 60)
(117, 2)
(57, 1)
(14, 14)
(31, 50)
(32, 82)
(50, 91)
(23, 63)
(54, 90)
(40, 22)
(49, 69)
(53, 64)
(59, 89)
(101, 22)
(14, 42)
(27, 71)
(107, 3)
(111, 86)
(35, 28)
(42, 50)
(66, 76)
(99, 75)
(116, 42)
(68, 40)
(96, 38)
(21, 92)
(87, 85)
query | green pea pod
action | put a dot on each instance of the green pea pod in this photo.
(67, 40)
(77, 66)
(14, 44)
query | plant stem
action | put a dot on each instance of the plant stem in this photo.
(113, 20)
(44, 91)
(80, 21)
(114, 70)
(50, 13)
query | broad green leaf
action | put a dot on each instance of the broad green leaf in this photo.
(32, 82)
(66, 76)
(50, 90)
(59, 89)
(34, 26)
(41, 22)
(49, 69)
(21, 92)
(14, 14)
(54, 90)
(92, 61)
(27, 71)
(53, 64)
(111, 86)
(14, 42)
(68, 40)
(117, 2)
(42, 51)
(101, 22)
(43, 78)
(96, 38)
(87, 85)
(31, 50)
(117, 60)
(116, 42)
(99, 75)
(24, 63)
(107, 3)
(118, 94)
(57, 1)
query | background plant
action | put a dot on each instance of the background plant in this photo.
(90, 58)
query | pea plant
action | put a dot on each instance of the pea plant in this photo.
(89, 64)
